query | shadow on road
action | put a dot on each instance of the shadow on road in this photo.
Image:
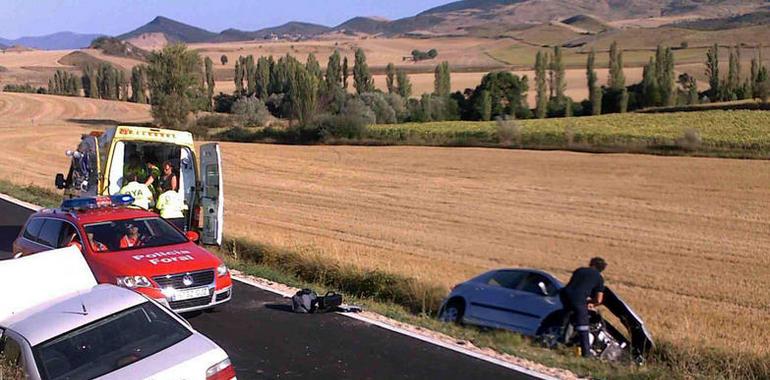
(7, 236)
(279, 307)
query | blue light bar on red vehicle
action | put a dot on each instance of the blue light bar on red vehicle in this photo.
(97, 202)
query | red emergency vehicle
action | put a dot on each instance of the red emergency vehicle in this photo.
(132, 248)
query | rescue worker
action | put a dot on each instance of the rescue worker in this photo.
(95, 245)
(169, 179)
(142, 195)
(131, 238)
(584, 292)
(153, 175)
(134, 165)
(170, 205)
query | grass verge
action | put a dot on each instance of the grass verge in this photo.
(416, 303)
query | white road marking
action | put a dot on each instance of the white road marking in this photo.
(19, 202)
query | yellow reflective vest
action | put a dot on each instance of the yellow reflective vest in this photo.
(170, 205)
(141, 193)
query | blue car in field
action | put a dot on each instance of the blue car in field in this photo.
(527, 301)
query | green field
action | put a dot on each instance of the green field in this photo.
(720, 133)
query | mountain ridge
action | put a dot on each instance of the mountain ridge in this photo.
(450, 19)
(53, 41)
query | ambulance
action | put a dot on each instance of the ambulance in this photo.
(102, 157)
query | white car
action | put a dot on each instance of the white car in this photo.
(67, 327)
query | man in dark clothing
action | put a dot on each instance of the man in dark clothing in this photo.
(584, 291)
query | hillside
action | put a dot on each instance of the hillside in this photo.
(367, 25)
(174, 31)
(462, 15)
(56, 41)
(292, 29)
(484, 18)
(115, 47)
(740, 21)
(472, 16)
(587, 23)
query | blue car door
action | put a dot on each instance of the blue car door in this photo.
(533, 302)
(494, 303)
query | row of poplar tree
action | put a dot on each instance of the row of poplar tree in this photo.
(177, 81)
(660, 86)
(105, 81)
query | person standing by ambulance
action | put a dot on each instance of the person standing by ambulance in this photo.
(584, 292)
(143, 197)
(171, 205)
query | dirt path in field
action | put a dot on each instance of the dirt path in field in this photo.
(686, 238)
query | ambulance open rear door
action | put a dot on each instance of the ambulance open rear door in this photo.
(212, 196)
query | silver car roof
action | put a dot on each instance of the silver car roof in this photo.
(66, 313)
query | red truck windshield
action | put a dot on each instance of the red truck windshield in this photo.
(130, 234)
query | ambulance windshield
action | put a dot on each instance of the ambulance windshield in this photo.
(122, 235)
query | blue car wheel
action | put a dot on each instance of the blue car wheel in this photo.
(453, 312)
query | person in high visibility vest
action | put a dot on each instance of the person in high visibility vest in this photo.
(131, 238)
(96, 245)
(171, 206)
(143, 197)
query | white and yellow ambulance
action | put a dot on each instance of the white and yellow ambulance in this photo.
(102, 157)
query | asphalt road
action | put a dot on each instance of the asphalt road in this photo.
(266, 340)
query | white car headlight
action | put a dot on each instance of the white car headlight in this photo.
(221, 270)
(133, 282)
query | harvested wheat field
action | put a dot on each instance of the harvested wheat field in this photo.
(686, 238)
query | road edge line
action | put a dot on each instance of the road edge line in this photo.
(386, 326)
(436, 342)
(19, 202)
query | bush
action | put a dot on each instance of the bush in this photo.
(444, 109)
(215, 121)
(199, 131)
(690, 140)
(356, 108)
(8, 372)
(339, 126)
(238, 134)
(251, 112)
(399, 106)
(171, 111)
(508, 130)
(558, 108)
(224, 103)
(275, 104)
(24, 88)
(418, 55)
(383, 112)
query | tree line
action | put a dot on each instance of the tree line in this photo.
(177, 81)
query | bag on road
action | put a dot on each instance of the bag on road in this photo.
(329, 302)
(304, 301)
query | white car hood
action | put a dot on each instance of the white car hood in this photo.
(33, 280)
(186, 360)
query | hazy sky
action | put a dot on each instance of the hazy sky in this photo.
(39, 17)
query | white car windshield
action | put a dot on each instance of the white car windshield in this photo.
(129, 234)
(109, 344)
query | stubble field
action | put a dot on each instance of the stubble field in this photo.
(686, 238)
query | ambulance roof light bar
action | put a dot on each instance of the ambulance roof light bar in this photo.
(75, 204)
